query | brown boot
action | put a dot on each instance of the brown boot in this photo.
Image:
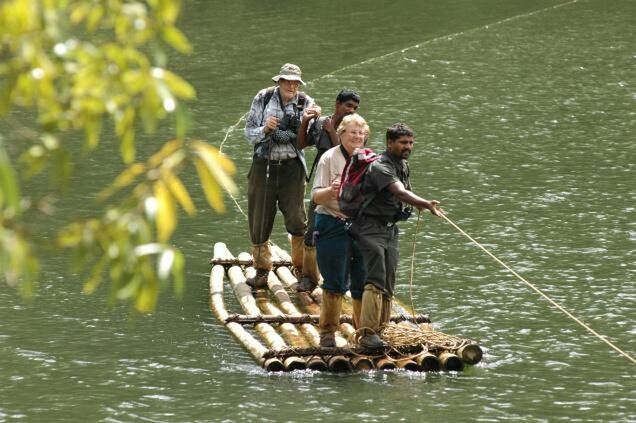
(263, 263)
(370, 318)
(259, 280)
(310, 274)
(385, 314)
(297, 251)
(329, 318)
(357, 308)
(262, 255)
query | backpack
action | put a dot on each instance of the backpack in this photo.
(351, 200)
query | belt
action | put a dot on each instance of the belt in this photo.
(278, 162)
(380, 221)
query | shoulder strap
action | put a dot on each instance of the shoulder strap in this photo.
(269, 93)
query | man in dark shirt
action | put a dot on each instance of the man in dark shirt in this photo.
(387, 183)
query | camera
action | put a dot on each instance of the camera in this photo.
(404, 213)
(289, 122)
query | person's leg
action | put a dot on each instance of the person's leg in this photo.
(329, 322)
(261, 206)
(290, 186)
(373, 243)
(332, 255)
(310, 272)
(358, 278)
(370, 315)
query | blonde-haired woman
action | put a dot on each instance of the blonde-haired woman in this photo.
(339, 258)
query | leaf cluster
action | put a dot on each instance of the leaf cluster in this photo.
(74, 66)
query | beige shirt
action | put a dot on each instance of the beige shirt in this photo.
(329, 168)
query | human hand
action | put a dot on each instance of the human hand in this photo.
(435, 208)
(335, 187)
(270, 124)
(312, 112)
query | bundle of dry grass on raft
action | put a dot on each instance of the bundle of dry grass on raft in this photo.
(282, 335)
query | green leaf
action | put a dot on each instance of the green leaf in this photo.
(9, 184)
(210, 187)
(179, 86)
(166, 213)
(179, 191)
(177, 273)
(96, 276)
(176, 39)
(123, 180)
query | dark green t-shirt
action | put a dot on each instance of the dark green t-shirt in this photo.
(380, 174)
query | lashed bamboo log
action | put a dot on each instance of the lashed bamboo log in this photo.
(246, 262)
(449, 361)
(216, 302)
(385, 363)
(244, 295)
(362, 362)
(428, 362)
(470, 354)
(407, 364)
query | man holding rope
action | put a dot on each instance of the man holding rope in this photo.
(386, 184)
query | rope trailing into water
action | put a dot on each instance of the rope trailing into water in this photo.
(537, 290)
(417, 229)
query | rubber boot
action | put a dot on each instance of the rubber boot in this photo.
(370, 318)
(310, 272)
(329, 318)
(297, 253)
(357, 308)
(385, 314)
(262, 263)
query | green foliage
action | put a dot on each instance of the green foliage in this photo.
(77, 64)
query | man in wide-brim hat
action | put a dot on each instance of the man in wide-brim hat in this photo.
(276, 179)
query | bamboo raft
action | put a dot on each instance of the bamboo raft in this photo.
(278, 326)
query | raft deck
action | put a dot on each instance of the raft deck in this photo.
(278, 326)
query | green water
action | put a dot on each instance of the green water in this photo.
(525, 114)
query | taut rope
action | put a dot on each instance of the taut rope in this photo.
(554, 303)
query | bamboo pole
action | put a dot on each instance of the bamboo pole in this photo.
(385, 363)
(428, 362)
(407, 364)
(244, 295)
(218, 307)
(450, 362)
(362, 362)
(470, 354)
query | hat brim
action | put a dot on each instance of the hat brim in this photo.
(288, 78)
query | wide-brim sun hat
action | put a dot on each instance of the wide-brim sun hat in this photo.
(289, 72)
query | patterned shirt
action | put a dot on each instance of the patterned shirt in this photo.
(255, 124)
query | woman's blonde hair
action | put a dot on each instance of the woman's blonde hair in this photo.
(353, 119)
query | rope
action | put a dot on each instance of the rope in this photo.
(417, 228)
(401, 336)
(554, 303)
